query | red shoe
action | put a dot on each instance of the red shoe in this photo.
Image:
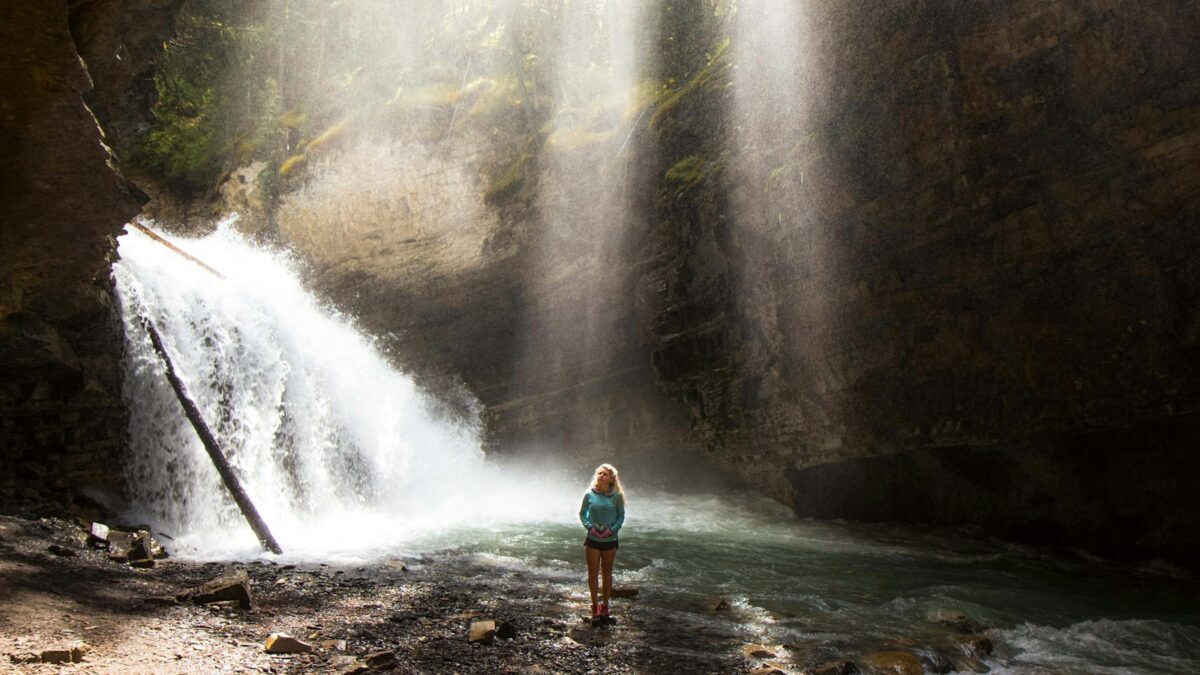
(595, 610)
(604, 610)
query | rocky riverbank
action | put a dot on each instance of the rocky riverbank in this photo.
(72, 609)
(70, 605)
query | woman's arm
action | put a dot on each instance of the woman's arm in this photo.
(619, 502)
(583, 513)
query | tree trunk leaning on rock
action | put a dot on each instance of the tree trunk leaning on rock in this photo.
(214, 450)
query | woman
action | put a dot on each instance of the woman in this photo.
(602, 514)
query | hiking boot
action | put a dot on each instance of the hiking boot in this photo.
(604, 610)
(595, 610)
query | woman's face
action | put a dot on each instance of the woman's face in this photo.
(604, 479)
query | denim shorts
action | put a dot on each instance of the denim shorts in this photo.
(600, 545)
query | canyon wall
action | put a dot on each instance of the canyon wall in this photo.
(62, 420)
(963, 289)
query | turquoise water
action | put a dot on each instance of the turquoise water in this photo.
(842, 590)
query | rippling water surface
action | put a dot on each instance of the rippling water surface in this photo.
(349, 462)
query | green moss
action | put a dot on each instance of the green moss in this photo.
(691, 171)
(711, 75)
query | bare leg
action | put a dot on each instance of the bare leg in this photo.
(607, 558)
(593, 567)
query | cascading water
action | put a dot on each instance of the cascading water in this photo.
(341, 453)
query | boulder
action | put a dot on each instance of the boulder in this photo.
(505, 630)
(68, 655)
(233, 586)
(119, 542)
(899, 663)
(98, 535)
(483, 632)
(141, 552)
(282, 643)
(717, 604)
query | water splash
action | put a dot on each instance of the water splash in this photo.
(342, 454)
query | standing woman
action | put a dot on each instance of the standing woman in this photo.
(602, 513)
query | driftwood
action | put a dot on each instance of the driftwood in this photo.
(214, 450)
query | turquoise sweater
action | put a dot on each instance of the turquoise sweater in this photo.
(599, 510)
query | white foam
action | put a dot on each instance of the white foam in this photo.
(1129, 647)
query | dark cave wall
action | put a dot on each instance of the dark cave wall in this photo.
(979, 305)
(62, 421)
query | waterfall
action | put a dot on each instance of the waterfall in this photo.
(340, 452)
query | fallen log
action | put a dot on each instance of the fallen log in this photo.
(158, 238)
(214, 449)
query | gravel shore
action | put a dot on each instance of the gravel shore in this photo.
(74, 605)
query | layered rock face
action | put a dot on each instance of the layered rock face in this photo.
(963, 289)
(60, 407)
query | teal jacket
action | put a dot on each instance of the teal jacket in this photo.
(599, 510)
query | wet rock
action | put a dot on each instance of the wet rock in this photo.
(625, 592)
(900, 663)
(975, 646)
(756, 651)
(333, 645)
(233, 586)
(505, 630)
(282, 643)
(770, 668)
(61, 551)
(834, 668)
(954, 619)
(717, 604)
(483, 632)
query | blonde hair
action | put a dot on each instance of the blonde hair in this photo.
(616, 479)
